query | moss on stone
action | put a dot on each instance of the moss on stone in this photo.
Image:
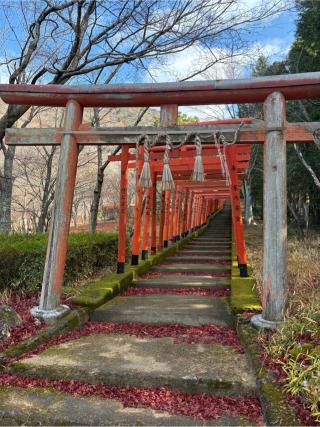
(71, 321)
(142, 268)
(99, 292)
(243, 296)
(276, 410)
(243, 292)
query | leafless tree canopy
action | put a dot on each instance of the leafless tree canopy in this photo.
(96, 41)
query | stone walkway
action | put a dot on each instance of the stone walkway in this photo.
(122, 360)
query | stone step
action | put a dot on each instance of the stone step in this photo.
(201, 250)
(170, 281)
(213, 239)
(124, 360)
(165, 309)
(216, 249)
(180, 267)
(181, 257)
(30, 407)
(209, 244)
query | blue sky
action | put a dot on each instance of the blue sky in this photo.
(272, 38)
(279, 32)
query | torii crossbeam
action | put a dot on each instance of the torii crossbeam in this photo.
(273, 132)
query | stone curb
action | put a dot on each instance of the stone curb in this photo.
(275, 408)
(73, 320)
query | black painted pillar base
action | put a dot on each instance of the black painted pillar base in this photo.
(153, 250)
(243, 270)
(134, 259)
(144, 254)
(120, 267)
(177, 238)
(165, 243)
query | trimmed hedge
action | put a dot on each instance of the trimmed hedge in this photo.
(22, 257)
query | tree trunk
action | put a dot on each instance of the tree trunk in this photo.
(13, 113)
(6, 184)
(248, 214)
(94, 208)
(101, 169)
(48, 194)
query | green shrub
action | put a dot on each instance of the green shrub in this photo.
(22, 257)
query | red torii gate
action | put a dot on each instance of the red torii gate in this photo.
(273, 132)
(181, 164)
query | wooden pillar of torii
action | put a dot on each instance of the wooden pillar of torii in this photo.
(236, 211)
(50, 307)
(274, 295)
(123, 214)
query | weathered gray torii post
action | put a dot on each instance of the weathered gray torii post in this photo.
(50, 307)
(274, 291)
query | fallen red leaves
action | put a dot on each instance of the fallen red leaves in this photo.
(204, 334)
(223, 252)
(176, 291)
(150, 274)
(22, 302)
(197, 261)
(199, 406)
(275, 365)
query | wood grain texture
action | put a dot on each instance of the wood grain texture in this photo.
(275, 210)
(60, 222)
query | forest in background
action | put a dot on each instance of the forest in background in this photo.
(303, 160)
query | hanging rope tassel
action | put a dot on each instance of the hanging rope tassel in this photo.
(167, 178)
(198, 171)
(220, 139)
(145, 178)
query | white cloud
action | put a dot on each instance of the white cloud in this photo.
(274, 49)
(196, 58)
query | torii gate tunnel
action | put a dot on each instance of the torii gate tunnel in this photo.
(190, 203)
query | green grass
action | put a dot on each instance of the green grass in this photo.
(296, 346)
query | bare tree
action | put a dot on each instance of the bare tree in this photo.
(56, 41)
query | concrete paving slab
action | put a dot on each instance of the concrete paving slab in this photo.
(213, 252)
(209, 244)
(180, 267)
(187, 258)
(219, 241)
(214, 236)
(165, 309)
(38, 407)
(170, 281)
(124, 360)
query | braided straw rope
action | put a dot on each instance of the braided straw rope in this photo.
(198, 171)
(167, 178)
(145, 178)
(220, 139)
